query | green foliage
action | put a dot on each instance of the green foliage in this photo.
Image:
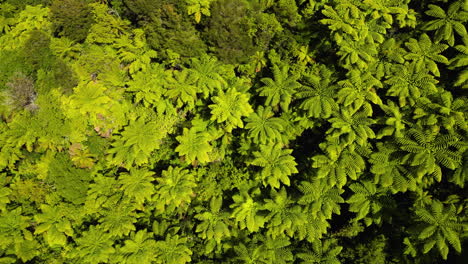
(194, 146)
(284, 217)
(440, 226)
(446, 22)
(318, 94)
(227, 28)
(137, 184)
(229, 107)
(173, 250)
(367, 199)
(71, 19)
(53, 225)
(140, 138)
(389, 171)
(148, 87)
(135, 52)
(409, 84)
(175, 188)
(138, 249)
(264, 127)
(208, 70)
(140, 131)
(358, 91)
(70, 183)
(167, 26)
(181, 88)
(213, 222)
(325, 251)
(93, 246)
(320, 199)
(425, 53)
(372, 251)
(428, 150)
(351, 127)
(279, 90)
(337, 165)
(198, 7)
(277, 164)
(246, 211)
(461, 60)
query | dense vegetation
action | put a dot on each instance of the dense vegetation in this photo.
(233, 131)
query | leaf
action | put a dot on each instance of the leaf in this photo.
(140, 248)
(280, 90)
(277, 164)
(194, 146)
(175, 189)
(138, 184)
(94, 246)
(173, 250)
(229, 107)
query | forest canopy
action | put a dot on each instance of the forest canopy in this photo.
(233, 131)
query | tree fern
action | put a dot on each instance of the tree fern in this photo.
(461, 61)
(394, 121)
(446, 22)
(324, 251)
(4, 193)
(208, 70)
(136, 142)
(246, 211)
(441, 225)
(284, 217)
(54, 225)
(135, 52)
(65, 48)
(194, 146)
(319, 198)
(30, 19)
(337, 165)
(460, 176)
(12, 226)
(119, 220)
(213, 222)
(277, 163)
(359, 89)
(181, 88)
(450, 111)
(342, 20)
(109, 28)
(173, 250)
(390, 52)
(368, 199)
(318, 93)
(139, 248)
(280, 89)
(426, 54)
(198, 7)
(102, 194)
(137, 184)
(175, 189)
(351, 127)
(229, 107)
(427, 150)
(389, 170)
(278, 250)
(409, 84)
(148, 86)
(356, 53)
(94, 246)
(250, 254)
(264, 127)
